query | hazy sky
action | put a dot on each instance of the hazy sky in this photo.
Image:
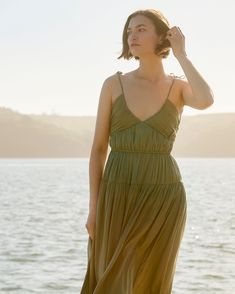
(55, 54)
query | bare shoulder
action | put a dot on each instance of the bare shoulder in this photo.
(180, 80)
(186, 94)
(181, 84)
(108, 88)
(102, 127)
(113, 84)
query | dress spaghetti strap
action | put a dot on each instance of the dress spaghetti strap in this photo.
(119, 72)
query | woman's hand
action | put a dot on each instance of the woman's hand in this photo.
(177, 41)
(90, 224)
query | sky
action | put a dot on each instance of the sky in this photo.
(56, 54)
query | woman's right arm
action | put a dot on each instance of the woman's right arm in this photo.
(100, 142)
(99, 149)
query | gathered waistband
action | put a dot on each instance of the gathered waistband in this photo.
(139, 151)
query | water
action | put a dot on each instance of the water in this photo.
(43, 240)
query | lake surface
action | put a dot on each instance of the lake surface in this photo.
(43, 240)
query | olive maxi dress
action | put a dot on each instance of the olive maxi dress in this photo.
(141, 207)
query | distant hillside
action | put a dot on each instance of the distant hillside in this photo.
(28, 136)
(206, 135)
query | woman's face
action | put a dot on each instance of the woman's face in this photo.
(141, 31)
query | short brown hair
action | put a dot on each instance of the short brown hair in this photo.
(161, 25)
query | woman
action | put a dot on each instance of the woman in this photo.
(137, 208)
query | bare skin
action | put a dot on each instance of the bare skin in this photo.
(145, 98)
(145, 91)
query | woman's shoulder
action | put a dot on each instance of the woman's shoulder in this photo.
(110, 85)
(180, 78)
(181, 82)
(111, 79)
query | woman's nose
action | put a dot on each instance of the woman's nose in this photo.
(133, 38)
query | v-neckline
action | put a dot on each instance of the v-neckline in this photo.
(155, 113)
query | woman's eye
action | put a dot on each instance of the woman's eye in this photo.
(130, 31)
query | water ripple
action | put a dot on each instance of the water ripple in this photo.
(43, 240)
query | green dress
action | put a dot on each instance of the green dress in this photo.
(141, 208)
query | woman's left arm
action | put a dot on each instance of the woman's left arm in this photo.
(196, 92)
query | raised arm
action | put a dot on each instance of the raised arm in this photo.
(195, 92)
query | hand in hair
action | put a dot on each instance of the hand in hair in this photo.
(177, 41)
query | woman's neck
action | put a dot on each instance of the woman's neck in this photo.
(150, 70)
